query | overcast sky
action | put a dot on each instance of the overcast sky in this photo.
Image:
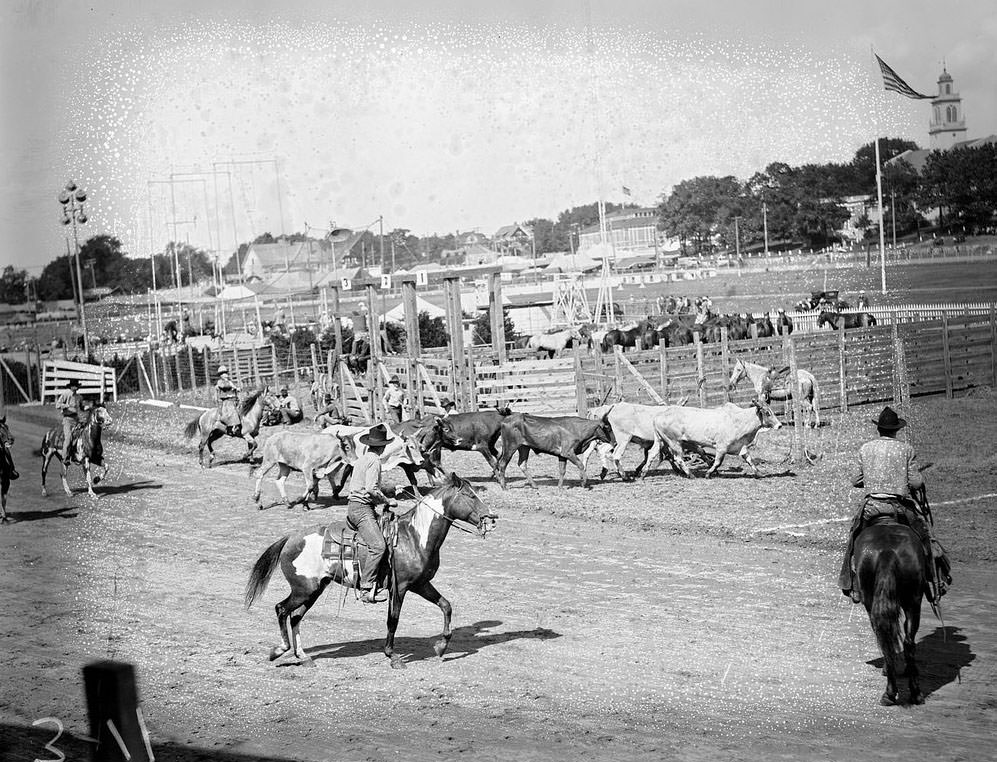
(441, 116)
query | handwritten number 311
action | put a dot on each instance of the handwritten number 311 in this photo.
(59, 756)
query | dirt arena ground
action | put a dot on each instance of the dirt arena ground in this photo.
(674, 619)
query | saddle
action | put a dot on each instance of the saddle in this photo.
(342, 543)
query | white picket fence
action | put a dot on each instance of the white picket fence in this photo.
(95, 380)
(806, 322)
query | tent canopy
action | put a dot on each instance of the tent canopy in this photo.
(236, 292)
(397, 314)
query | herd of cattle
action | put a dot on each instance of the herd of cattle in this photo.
(662, 432)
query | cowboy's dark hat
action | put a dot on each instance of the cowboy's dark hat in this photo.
(376, 437)
(889, 420)
(73, 383)
(394, 380)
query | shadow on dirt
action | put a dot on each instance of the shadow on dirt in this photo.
(124, 489)
(16, 517)
(466, 641)
(941, 656)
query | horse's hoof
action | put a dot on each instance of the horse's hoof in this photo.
(887, 700)
(306, 661)
(398, 663)
(276, 652)
(917, 698)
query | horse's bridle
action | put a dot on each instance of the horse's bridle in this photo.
(453, 522)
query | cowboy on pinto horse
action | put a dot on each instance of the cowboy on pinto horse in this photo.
(227, 395)
(888, 471)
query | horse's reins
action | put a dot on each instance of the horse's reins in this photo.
(453, 522)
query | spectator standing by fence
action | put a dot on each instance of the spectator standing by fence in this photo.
(394, 399)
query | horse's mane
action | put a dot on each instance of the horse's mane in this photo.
(247, 404)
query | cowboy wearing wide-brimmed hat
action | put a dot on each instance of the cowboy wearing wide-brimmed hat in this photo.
(365, 494)
(394, 400)
(70, 404)
(888, 472)
(227, 396)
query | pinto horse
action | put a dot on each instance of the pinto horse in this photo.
(7, 471)
(86, 451)
(554, 343)
(757, 374)
(852, 320)
(413, 560)
(891, 568)
(208, 425)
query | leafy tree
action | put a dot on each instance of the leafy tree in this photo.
(864, 163)
(962, 183)
(432, 330)
(13, 285)
(482, 326)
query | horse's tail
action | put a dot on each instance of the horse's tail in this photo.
(191, 430)
(259, 577)
(884, 613)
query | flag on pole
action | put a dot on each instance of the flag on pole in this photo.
(626, 191)
(892, 81)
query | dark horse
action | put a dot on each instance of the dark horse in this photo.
(208, 426)
(413, 561)
(852, 320)
(891, 568)
(87, 450)
(7, 471)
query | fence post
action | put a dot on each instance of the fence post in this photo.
(176, 367)
(946, 356)
(451, 290)
(725, 358)
(27, 365)
(314, 353)
(789, 343)
(294, 361)
(700, 368)
(618, 357)
(472, 396)
(496, 314)
(273, 363)
(842, 378)
(256, 365)
(190, 362)
(663, 369)
(581, 391)
(115, 717)
(993, 346)
(600, 369)
(754, 333)
(902, 386)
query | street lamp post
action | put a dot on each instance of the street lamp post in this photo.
(72, 199)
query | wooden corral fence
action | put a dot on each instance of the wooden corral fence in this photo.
(95, 380)
(852, 367)
(888, 315)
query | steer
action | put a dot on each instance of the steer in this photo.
(565, 437)
(401, 452)
(470, 431)
(630, 423)
(314, 455)
(727, 429)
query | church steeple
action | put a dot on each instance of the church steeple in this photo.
(947, 125)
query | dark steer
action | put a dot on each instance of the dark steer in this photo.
(727, 429)
(469, 431)
(565, 437)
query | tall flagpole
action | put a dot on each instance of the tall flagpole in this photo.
(882, 235)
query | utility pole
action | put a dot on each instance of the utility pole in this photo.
(380, 222)
(765, 224)
(893, 214)
(737, 239)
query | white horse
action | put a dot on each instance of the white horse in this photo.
(554, 343)
(772, 386)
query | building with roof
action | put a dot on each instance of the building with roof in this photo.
(631, 230)
(514, 239)
(263, 261)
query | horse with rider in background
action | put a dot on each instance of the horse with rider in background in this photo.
(7, 471)
(85, 448)
(771, 385)
(209, 427)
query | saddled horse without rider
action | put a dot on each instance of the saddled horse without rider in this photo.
(87, 450)
(553, 344)
(780, 387)
(208, 426)
(412, 561)
(7, 471)
(850, 319)
(891, 568)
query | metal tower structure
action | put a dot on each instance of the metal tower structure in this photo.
(571, 305)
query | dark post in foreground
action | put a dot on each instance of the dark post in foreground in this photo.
(116, 723)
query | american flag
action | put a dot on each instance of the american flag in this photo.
(626, 191)
(891, 81)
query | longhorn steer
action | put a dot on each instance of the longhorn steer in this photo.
(727, 429)
(630, 423)
(564, 436)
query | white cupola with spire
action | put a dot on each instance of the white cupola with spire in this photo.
(948, 124)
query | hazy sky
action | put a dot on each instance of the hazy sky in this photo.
(440, 116)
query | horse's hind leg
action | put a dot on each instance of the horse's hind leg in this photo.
(89, 475)
(290, 612)
(913, 621)
(46, 459)
(431, 594)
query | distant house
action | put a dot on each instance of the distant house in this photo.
(263, 261)
(514, 239)
(627, 230)
(471, 238)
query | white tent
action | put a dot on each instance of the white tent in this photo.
(397, 314)
(236, 292)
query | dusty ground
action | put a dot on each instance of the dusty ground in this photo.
(667, 619)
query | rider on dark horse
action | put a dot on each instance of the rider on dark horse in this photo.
(365, 493)
(227, 395)
(888, 471)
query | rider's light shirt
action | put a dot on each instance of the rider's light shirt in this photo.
(70, 403)
(225, 389)
(365, 483)
(887, 466)
(394, 397)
